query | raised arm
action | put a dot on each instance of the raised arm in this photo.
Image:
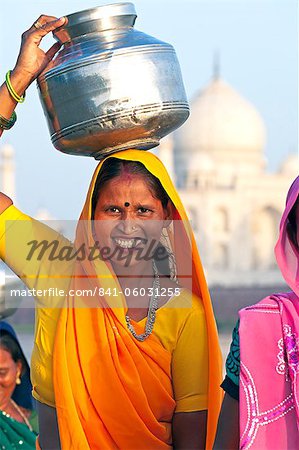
(30, 63)
(16, 229)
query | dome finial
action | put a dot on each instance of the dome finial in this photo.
(216, 65)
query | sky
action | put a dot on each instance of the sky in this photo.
(258, 46)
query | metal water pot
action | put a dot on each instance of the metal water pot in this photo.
(111, 87)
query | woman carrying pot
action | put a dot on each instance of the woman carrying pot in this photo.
(261, 403)
(137, 364)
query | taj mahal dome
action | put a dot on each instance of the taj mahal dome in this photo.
(217, 161)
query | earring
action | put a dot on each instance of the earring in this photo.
(172, 266)
(18, 380)
(171, 260)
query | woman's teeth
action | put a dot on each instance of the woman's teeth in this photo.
(127, 243)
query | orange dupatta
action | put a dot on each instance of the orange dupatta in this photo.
(112, 391)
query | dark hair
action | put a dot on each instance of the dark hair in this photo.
(292, 224)
(114, 167)
(8, 343)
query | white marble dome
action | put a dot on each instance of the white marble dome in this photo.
(222, 122)
(201, 162)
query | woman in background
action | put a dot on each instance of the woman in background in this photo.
(18, 419)
(261, 404)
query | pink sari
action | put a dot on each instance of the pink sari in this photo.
(269, 346)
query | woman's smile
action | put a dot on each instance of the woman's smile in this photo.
(130, 243)
(129, 220)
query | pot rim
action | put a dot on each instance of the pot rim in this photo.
(101, 12)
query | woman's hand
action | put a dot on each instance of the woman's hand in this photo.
(32, 60)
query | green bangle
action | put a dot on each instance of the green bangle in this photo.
(15, 96)
(6, 124)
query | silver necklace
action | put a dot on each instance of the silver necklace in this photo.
(152, 308)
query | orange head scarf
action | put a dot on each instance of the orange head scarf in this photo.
(112, 391)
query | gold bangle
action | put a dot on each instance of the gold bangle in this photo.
(15, 96)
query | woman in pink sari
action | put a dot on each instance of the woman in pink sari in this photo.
(262, 380)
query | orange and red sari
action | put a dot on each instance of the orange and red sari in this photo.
(112, 391)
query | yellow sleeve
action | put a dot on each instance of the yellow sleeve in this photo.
(27, 247)
(9, 214)
(190, 362)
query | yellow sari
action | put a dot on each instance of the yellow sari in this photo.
(112, 391)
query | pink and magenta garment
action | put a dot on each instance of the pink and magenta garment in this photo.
(269, 346)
